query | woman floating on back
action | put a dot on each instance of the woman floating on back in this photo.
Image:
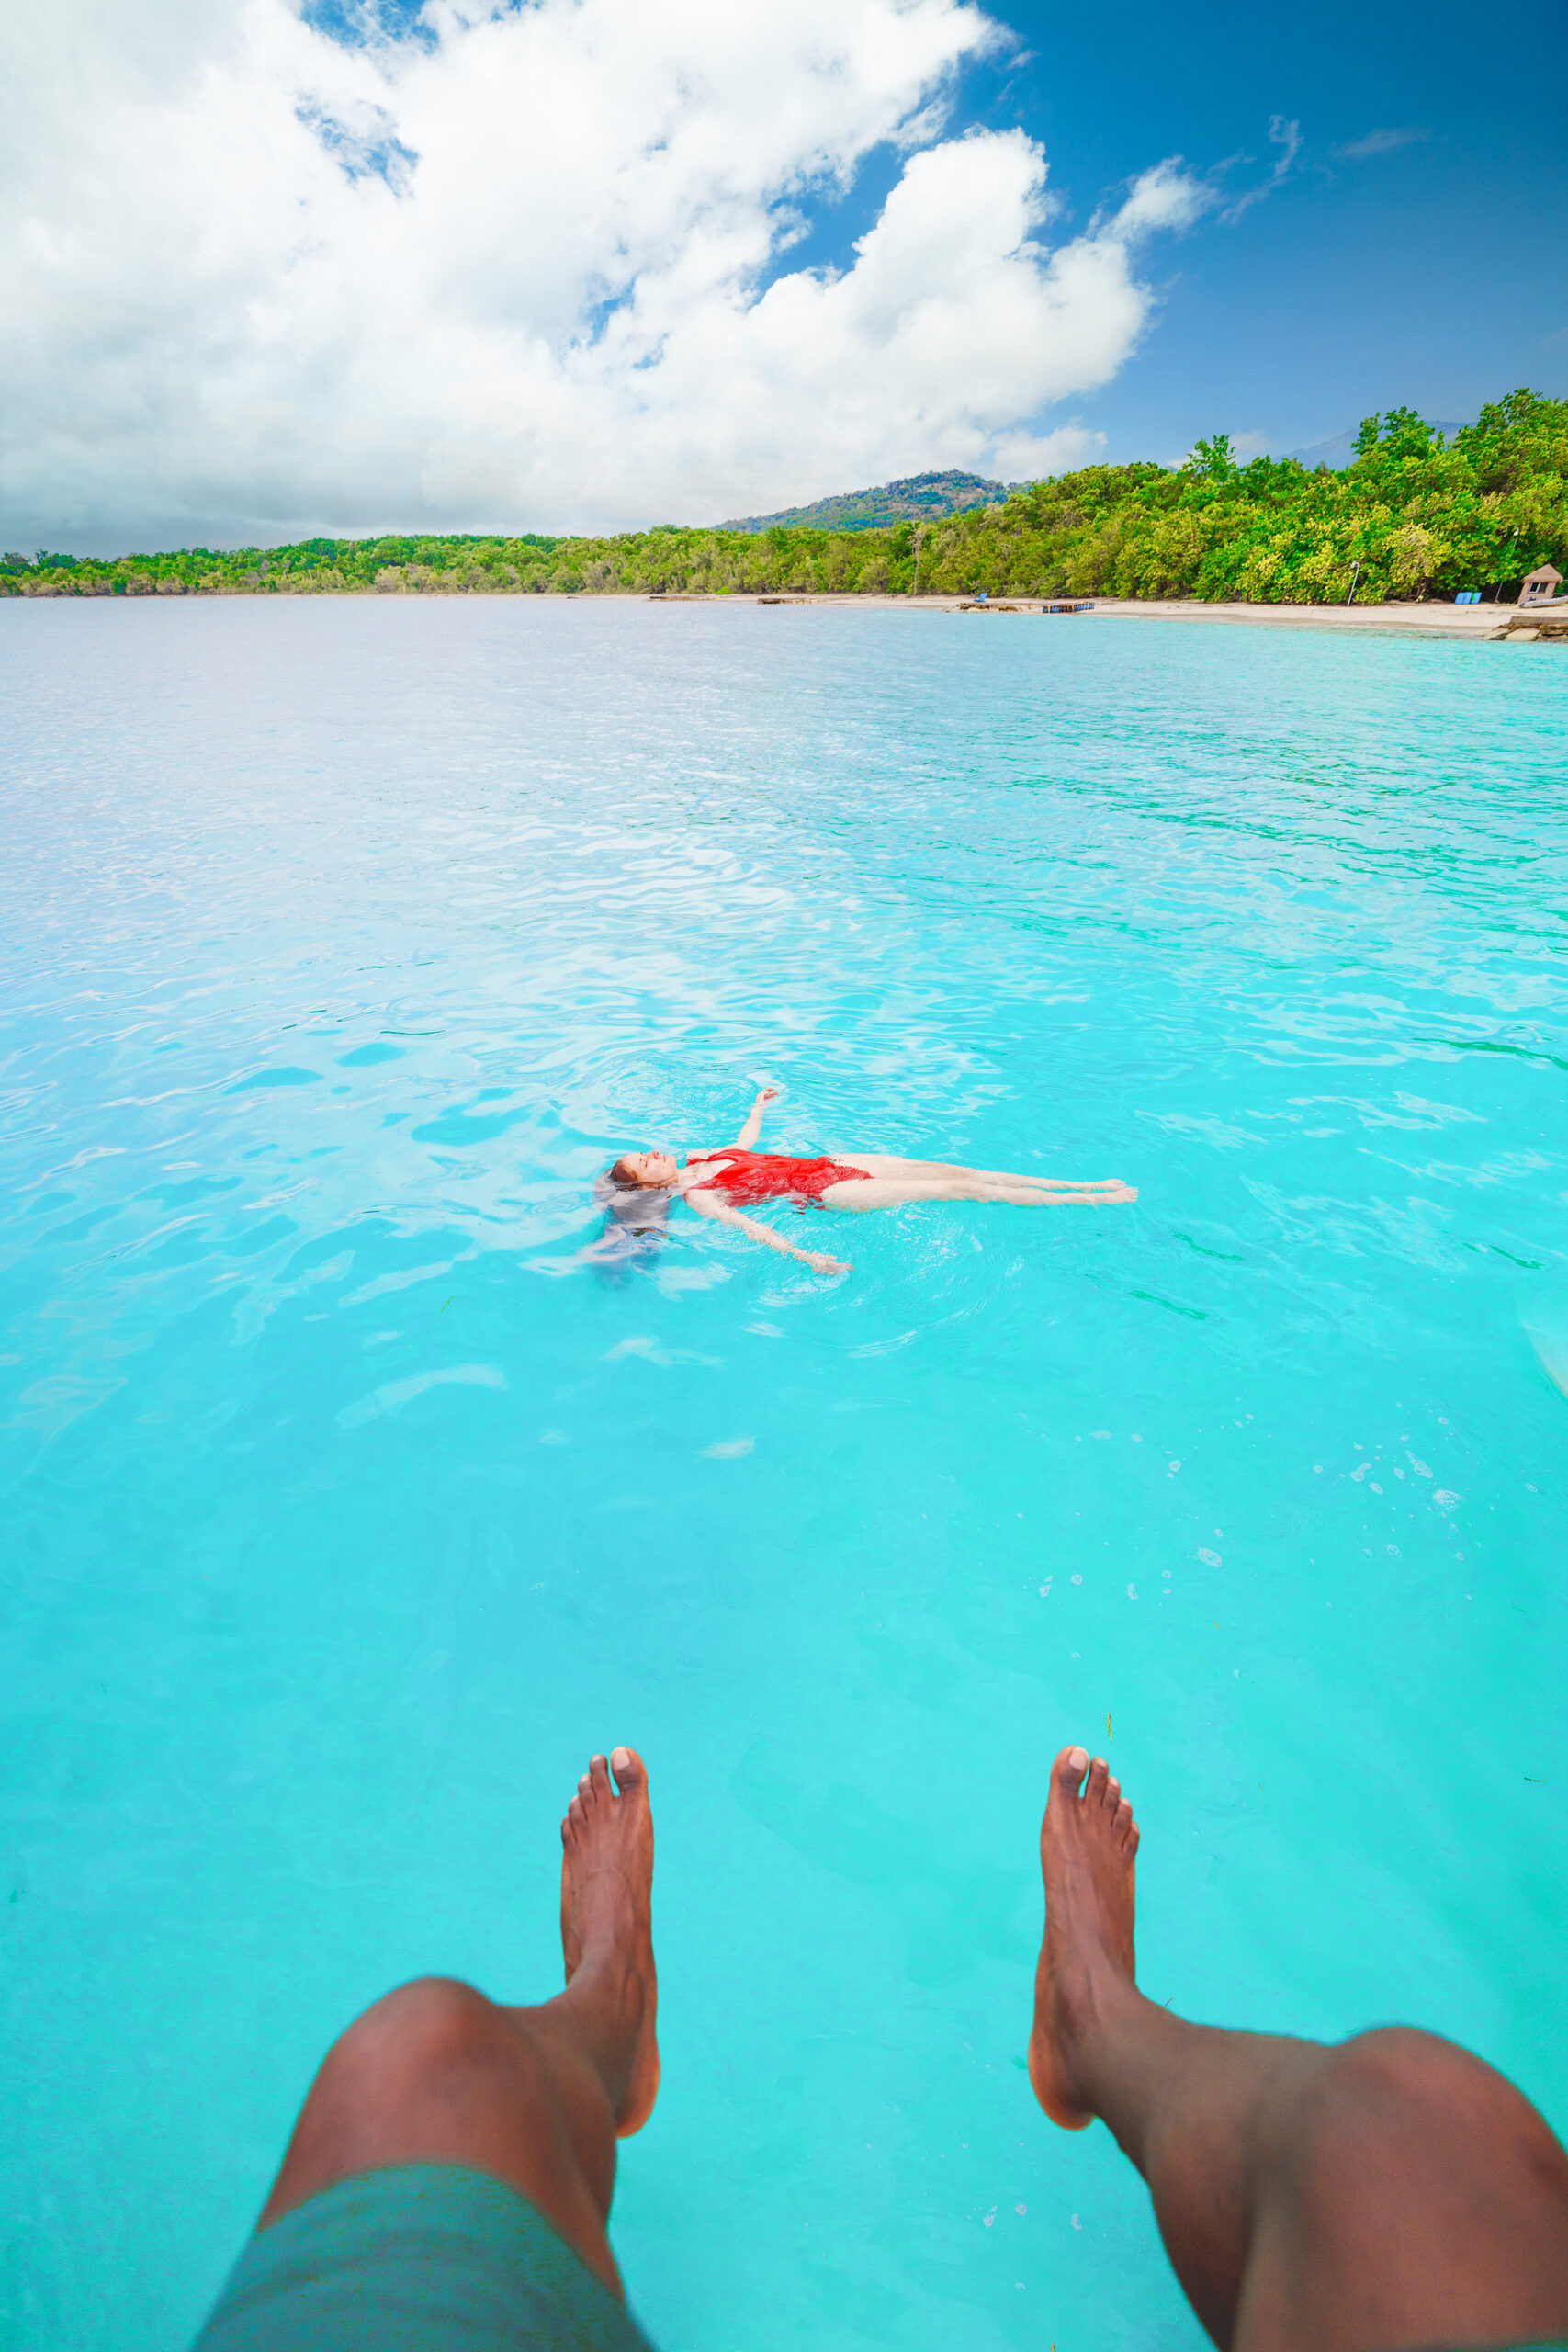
(723, 1184)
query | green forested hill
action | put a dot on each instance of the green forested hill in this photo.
(918, 498)
(1419, 514)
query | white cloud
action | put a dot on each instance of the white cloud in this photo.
(1380, 142)
(1165, 198)
(517, 271)
(1286, 135)
(1028, 457)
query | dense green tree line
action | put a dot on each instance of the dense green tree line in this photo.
(1412, 516)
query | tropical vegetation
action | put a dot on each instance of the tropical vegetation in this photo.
(1415, 515)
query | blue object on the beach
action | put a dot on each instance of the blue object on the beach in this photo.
(345, 1514)
(1468, 597)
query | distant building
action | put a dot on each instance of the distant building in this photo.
(1541, 586)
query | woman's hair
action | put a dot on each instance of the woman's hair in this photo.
(637, 1218)
(624, 1174)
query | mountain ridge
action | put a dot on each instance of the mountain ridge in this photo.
(915, 498)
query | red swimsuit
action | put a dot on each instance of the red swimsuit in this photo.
(749, 1178)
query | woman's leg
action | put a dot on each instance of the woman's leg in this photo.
(895, 1191)
(437, 2074)
(1387, 2193)
(920, 1171)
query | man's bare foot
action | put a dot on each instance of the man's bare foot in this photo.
(1086, 1849)
(606, 1928)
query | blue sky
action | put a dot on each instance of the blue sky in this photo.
(274, 267)
(1432, 274)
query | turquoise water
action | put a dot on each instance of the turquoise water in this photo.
(345, 1514)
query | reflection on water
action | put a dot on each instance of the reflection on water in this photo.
(351, 1503)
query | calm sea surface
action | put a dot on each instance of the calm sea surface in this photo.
(344, 1512)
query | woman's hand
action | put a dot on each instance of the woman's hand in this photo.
(747, 1139)
(821, 1264)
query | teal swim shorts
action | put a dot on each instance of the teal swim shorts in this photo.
(416, 2258)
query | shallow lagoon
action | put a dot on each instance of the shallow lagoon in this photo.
(342, 943)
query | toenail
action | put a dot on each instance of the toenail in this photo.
(1077, 1759)
(621, 1760)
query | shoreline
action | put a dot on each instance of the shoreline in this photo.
(1470, 621)
(1476, 623)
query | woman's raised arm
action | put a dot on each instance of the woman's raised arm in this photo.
(754, 1127)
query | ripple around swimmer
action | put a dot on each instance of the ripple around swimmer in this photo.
(347, 1509)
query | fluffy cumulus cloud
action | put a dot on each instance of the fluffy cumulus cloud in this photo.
(522, 266)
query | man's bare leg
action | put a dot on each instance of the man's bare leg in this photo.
(1383, 2194)
(437, 2074)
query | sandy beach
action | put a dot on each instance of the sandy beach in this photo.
(1429, 619)
(1426, 619)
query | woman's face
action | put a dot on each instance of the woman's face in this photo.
(651, 1167)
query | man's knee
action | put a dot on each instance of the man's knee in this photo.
(1397, 2091)
(1398, 2067)
(431, 2027)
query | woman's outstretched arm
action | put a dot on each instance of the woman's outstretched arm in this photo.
(706, 1205)
(754, 1127)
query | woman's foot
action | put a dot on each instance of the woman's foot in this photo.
(606, 1928)
(1086, 1847)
